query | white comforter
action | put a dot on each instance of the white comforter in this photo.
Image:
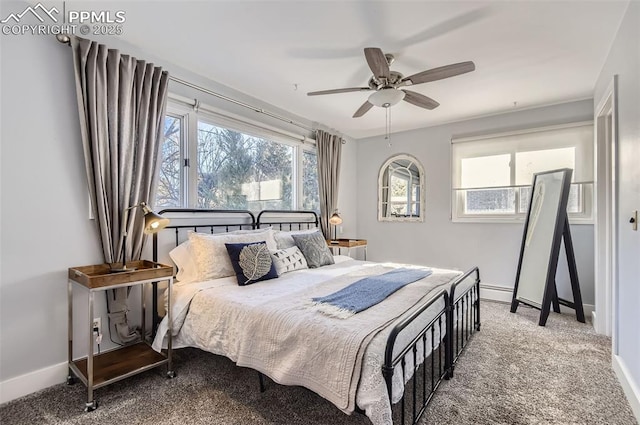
(267, 326)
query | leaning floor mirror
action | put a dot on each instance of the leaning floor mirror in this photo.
(545, 228)
(401, 189)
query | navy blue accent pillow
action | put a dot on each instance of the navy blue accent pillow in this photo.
(251, 262)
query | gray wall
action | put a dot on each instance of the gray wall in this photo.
(440, 242)
(624, 60)
(45, 205)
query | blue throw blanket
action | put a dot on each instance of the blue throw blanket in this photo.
(367, 292)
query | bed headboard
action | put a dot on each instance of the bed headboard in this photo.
(288, 219)
(184, 220)
(198, 220)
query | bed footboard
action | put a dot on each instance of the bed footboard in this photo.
(446, 336)
(434, 367)
(464, 318)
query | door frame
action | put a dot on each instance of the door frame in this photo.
(605, 228)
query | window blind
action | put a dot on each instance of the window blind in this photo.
(510, 159)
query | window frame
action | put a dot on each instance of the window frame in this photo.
(190, 116)
(457, 202)
(182, 169)
(299, 173)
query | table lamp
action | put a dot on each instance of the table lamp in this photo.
(335, 220)
(152, 223)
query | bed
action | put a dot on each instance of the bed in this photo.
(386, 361)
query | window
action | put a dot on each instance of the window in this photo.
(404, 182)
(401, 189)
(492, 175)
(310, 191)
(214, 163)
(169, 191)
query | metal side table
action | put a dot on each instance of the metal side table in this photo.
(99, 370)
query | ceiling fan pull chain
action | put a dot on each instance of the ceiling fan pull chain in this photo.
(388, 125)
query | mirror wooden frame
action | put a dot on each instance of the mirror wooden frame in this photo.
(545, 228)
(422, 191)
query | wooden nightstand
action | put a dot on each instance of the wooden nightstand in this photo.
(99, 370)
(339, 244)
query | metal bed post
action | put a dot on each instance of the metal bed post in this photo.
(477, 299)
(448, 351)
(458, 340)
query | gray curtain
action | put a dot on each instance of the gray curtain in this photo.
(121, 103)
(329, 148)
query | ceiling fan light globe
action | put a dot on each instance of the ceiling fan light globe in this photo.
(386, 97)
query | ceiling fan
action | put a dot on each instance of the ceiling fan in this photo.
(387, 84)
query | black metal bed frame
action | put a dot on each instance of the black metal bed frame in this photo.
(466, 305)
(460, 316)
(273, 217)
(458, 332)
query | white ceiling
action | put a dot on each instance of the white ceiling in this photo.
(530, 52)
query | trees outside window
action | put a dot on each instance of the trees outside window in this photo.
(238, 171)
(310, 191)
(233, 169)
(169, 190)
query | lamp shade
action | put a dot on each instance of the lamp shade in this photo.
(153, 222)
(335, 219)
(386, 97)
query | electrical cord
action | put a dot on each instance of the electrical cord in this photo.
(109, 321)
(96, 331)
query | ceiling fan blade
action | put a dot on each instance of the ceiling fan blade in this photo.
(420, 100)
(333, 91)
(363, 109)
(439, 73)
(377, 62)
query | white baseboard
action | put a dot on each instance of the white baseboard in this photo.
(630, 388)
(594, 321)
(505, 294)
(588, 310)
(496, 293)
(33, 381)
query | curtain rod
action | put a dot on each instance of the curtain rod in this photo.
(237, 102)
(65, 39)
(197, 105)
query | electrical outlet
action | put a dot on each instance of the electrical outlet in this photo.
(97, 325)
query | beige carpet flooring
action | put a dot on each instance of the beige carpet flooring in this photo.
(513, 372)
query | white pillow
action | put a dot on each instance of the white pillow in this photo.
(284, 239)
(185, 261)
(211, 255)
(288, 260)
